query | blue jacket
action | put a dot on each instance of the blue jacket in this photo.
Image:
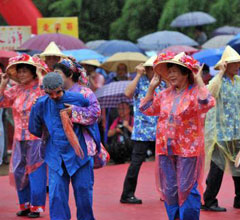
(46, 112)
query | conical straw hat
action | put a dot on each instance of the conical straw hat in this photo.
(52, 50)
(229, 56)
(91, 62)
(150, 61)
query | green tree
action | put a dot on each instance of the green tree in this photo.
(94, 16)
(139, 17)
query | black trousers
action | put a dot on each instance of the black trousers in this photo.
(139, 154)
(214, 181)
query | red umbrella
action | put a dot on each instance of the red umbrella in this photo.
(64, 42)
(7, 54)
(180, 48)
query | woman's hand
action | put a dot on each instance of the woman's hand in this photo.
(156, 80)
(223, 67)
(4, 79)
(140, 69)
(198, 77)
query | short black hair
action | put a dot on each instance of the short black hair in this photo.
(30, 67)
(67, 71)
(184, 70)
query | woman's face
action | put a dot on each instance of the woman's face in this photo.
(123, 110)
(51, 61)
(176, 78)
(24, 75)
(232, 69)
(67, 80)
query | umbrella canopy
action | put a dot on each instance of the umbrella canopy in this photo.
(64, 42)
(235, 43)
(180, 48)
(196, 18)
(94, 44)
(84, 54)
(226, 30)
(162, 39)
(115, 46)
(218, 41)
(7, 54)
(130, 59)
(209, 56)
(112, 94)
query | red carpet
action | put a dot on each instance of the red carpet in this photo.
(107, 190)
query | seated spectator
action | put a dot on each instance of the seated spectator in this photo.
(120, 134)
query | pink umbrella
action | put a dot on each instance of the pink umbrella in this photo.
(64, 42)
(180, 48)
(7, 54)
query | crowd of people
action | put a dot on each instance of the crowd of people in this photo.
(60, 130)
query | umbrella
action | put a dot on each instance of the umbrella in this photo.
(94, 44)
(130, 59)
(235, 43)
(84, 54)
(226, 30)
(162, 39)
(64, 42)
(112, 94)
(209, 56)
(7, 54)
(218, 41)
(180, 48)
(115, 46)
(196, 18)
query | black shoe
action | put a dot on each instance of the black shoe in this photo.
(23, 213)
(236, 203)
(131, 200)
(213, 208)
(33, 215)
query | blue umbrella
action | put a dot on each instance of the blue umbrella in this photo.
(115, 46)
(162, 39)
(112, 94)
(94, 44)
(235, 43)
(196, 18)
(226, 30)
(84, 54)
(209, 56)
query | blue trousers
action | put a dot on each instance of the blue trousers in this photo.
(82, 182)
(177, 175)
(34, 194)
(189, 210)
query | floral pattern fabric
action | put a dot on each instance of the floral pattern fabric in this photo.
(86, 115)
(144, 128)
(180, 128)
(227, 119)
(20, 98)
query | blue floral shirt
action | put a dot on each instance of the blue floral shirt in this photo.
(144, 128)
(228, 110)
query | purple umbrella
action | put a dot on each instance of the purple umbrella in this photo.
(112, 94)
(64, 42)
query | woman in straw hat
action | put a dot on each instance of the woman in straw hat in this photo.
(51, 55)
(27, 169)
(222, 129)
(180, 131)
